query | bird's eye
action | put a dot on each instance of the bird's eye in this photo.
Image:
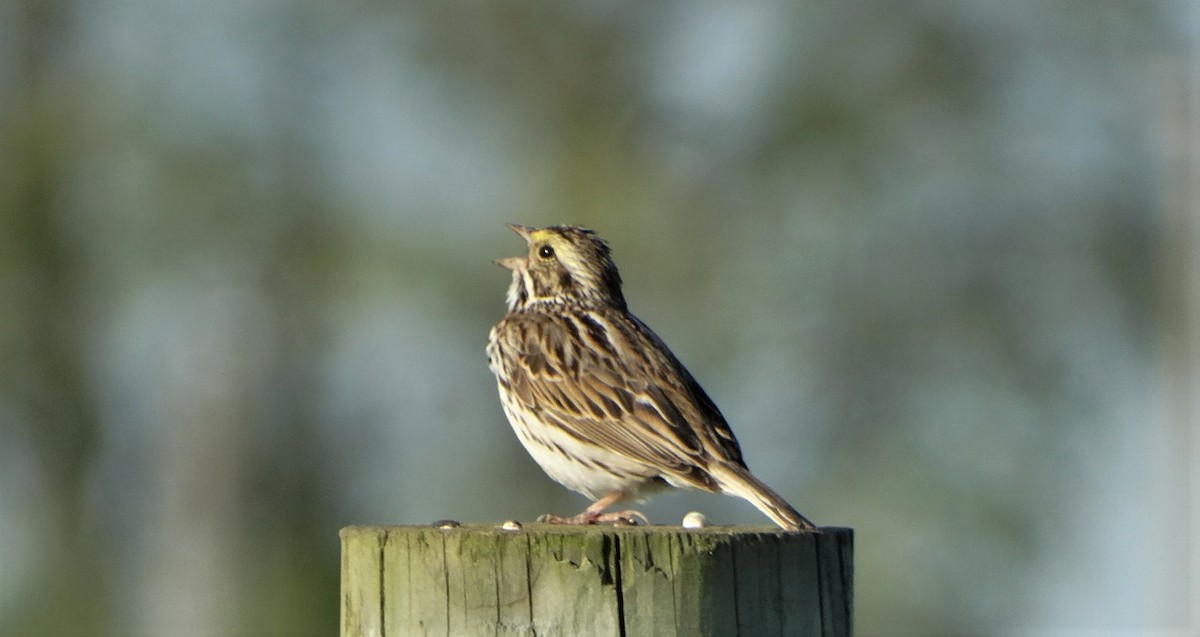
(545, 252)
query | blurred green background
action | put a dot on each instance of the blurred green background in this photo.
(937, 263)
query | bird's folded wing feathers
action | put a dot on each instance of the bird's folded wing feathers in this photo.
(623, 403)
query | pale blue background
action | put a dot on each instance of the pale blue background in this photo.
(935, 261)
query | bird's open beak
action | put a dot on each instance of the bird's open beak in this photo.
(517, 263)
(525, 231)
(511, 263)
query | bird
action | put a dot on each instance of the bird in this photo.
(597, 398)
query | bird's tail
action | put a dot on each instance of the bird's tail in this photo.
(735, 480)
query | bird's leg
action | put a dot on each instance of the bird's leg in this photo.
(595, 514)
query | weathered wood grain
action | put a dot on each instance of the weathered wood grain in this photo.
(549, 580)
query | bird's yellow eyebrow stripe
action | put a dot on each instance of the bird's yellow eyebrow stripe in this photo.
(541, 235)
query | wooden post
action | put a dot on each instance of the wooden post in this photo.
(548, 580)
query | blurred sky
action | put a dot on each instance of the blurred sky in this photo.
(937, 263)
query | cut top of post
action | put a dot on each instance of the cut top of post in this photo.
(563, 580)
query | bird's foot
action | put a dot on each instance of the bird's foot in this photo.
(615, 518)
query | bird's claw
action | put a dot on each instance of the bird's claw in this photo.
(616, 518)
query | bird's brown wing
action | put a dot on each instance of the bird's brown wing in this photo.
(610, 382)
(711, 422)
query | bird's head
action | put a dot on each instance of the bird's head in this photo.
(564, 264)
